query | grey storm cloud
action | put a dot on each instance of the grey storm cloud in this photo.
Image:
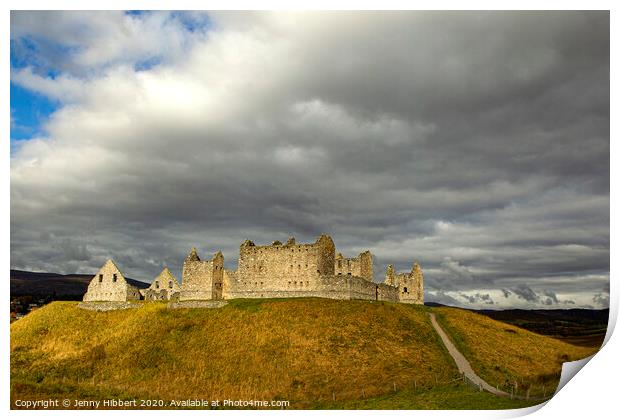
(545, 297)
(526, 293)
(601, 299)
(476, 143)
(478, 297)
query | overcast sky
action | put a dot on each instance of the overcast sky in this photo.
(474, 143)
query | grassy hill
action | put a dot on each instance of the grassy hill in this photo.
(316, 353)
(508, 356)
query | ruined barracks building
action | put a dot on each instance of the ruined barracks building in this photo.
(268, 271)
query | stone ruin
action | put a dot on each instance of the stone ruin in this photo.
(164, 287)
(267, 271)
(109, 285)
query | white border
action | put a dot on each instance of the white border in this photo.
(592, 394)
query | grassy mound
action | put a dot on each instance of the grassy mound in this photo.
(302, 350)
(508, 356)
(315, 353)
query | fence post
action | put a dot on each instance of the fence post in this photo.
(334, 396)
(415, 384)
(394, 386)
(363, 394)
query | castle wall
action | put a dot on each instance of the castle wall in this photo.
(410, 285)
(271, 271)
(360, 266)
(303, 270)
(342, 287)
(387, 293)
(284, 269)
(109, 285)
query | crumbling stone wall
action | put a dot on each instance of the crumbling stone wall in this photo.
(360, 266)
(109, 285)
(164, 287)
(229, 283)
(410, 285)
(288, 269)
(270, 271)
(202, 280)
(302, 270)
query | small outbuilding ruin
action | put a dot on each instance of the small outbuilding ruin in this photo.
(109, 285)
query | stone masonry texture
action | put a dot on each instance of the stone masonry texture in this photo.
(278, 270)
(109, 285)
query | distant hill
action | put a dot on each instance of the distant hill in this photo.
(585, 327)
(315, 353)
(61, 286)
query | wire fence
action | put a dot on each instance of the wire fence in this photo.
(542, 392)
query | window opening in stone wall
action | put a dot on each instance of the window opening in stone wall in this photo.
(157, 285)
(114, 278)
(100, 278)
(405, 289)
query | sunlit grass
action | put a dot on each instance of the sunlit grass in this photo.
(302, 350)
(508, 356)
(315, 353)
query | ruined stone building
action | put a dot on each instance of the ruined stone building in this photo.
(410, 285)
(109, 285)
(287, 269)
(202, 280)
(164, 287)
(360, 266)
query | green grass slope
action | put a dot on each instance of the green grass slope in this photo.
(508, 356)
(315, 353)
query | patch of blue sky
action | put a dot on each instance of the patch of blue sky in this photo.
(29, 112)
(44, 57)
(135, 12)
(147, 64)
(193, 21)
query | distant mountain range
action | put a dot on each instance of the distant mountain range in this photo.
(59, 286)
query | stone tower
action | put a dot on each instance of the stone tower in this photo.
(410, 285)
(202, 280)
